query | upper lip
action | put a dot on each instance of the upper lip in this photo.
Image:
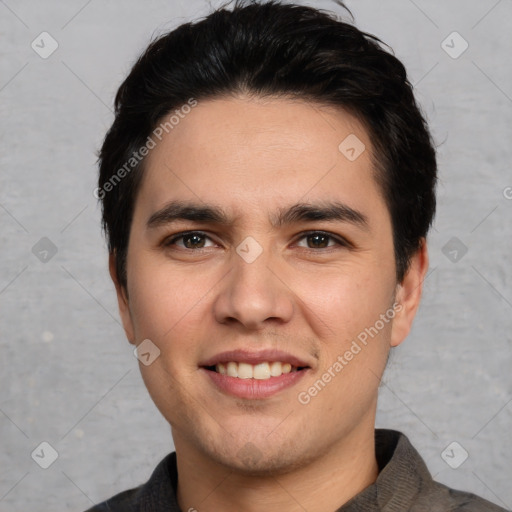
(251, 357)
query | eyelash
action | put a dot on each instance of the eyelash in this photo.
(339, 241)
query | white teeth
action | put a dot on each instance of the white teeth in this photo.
(261, 371)
(276, 369)
(244, 371)
(232, 370)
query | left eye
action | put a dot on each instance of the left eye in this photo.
(320, 240)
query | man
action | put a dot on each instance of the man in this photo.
(267, 188)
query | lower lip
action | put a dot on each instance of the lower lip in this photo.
(254, 389)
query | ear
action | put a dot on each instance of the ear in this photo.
(122, 300)
(408, 295)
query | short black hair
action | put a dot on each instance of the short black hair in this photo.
(273, 49)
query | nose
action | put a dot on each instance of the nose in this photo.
(254, 294)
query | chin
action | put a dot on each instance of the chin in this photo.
(260, 459)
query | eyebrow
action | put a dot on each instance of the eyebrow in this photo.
(300, 212)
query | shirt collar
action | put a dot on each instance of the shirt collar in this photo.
(402, 476)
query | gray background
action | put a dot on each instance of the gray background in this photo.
(68, 377)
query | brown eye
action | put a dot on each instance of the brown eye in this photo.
(191, 240)
(320, 240)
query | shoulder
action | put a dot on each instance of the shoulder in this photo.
(124, 501)
(405, 483)
(440, 498)
(157, 494)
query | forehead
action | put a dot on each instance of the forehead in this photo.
(261, 153)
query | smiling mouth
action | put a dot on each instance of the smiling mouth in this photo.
(260, 371)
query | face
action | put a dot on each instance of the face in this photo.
(261, 266)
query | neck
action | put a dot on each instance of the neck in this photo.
(326, 483)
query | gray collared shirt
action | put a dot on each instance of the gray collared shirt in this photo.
(404, 484)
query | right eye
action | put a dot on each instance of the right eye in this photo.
(190, 240)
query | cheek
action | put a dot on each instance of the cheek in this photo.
(170, 306)
(349, 300)
(351, 304)
(158, 298)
